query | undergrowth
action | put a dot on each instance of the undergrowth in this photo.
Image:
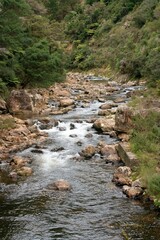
(145, 143)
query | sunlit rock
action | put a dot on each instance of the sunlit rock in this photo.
(88, 152)
(66, 102)
(104, 124)
(18, 161)
(122, 176)
(25, 171)
(132, 192)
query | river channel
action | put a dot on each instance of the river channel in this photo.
(94, 209)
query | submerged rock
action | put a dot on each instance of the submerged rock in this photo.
(61, 185)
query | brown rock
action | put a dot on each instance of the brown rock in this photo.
(19, 100)
(61, 185)
(132, 192)
(123, 119)
(121, 176)
(66, 102)
(25, 171)
(125, 171)
(108, 105)
(18, 161)
(103, 112)
(108, 149)
(88, 152)
(121, 180)
(104, 125)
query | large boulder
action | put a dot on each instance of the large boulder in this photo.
(19, 100)
(123, 119)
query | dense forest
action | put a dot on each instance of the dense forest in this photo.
(40, 40)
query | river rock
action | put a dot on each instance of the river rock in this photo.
(88, 152)
(72, 126)
(61, 185)
(123, 119)
(104, 124)
(25, 171)
(121, 180)
(19, 100)
(108, 149)
(104, 112)
(110, 154)
(13, 175)
(108, 105)
(62, 129)
(73, 135)
(18, 161)
(66, 102)
(132, 192)
(38, 151)
(122, 176)
(126, 171)
(120, 100)
(57, 149)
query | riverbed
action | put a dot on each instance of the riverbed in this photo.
(94, 209)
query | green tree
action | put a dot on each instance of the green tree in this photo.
(42, 65)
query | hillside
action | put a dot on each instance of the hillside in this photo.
(41, 39)
(121, 35)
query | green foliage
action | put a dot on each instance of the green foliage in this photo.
(82, 25)
(145, 143)
(154, 186)
(82, 57)
(42, 65)
(116, 32)
(60, 8)
(146, 134)
(23, 57)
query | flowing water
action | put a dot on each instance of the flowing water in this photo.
(94, 209)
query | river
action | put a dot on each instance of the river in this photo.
(94, 209)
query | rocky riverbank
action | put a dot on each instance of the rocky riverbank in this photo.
(19, 128)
